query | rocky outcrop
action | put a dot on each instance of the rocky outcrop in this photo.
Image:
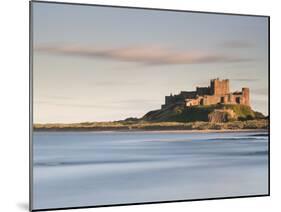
(222, 115)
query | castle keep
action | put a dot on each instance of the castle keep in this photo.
(217, 93)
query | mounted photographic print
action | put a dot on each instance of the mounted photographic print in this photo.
(137, 105)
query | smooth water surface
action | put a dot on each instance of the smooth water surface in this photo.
(73, 169)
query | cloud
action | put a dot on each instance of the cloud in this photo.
(149, 55)
(237, 44)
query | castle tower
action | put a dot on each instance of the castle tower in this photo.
(219, 87)
(246, 95)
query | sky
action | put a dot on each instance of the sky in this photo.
(104, 64)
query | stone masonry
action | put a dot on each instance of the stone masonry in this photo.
(217, 93)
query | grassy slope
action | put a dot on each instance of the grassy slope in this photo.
(198, 113)
(143, 125)
(173, 118)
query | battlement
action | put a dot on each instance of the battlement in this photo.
(217, 92)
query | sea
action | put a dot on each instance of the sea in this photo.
(77, 169)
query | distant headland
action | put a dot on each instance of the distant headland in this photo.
(207, 108)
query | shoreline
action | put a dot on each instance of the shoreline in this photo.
(235, 126)
(154, 131)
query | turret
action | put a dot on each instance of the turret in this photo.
(246, 95)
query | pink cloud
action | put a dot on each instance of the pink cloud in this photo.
(144, 54)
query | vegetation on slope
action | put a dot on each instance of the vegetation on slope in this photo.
(200, 113)
(143, 125)
(212, 117)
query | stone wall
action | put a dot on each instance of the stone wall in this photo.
(201, 91)
(211, 100)
(246, 95)
(219, 87)
(216, 93)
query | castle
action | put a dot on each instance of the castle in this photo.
(216, 93)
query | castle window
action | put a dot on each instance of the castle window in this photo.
(237, 99)
(222, 99)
